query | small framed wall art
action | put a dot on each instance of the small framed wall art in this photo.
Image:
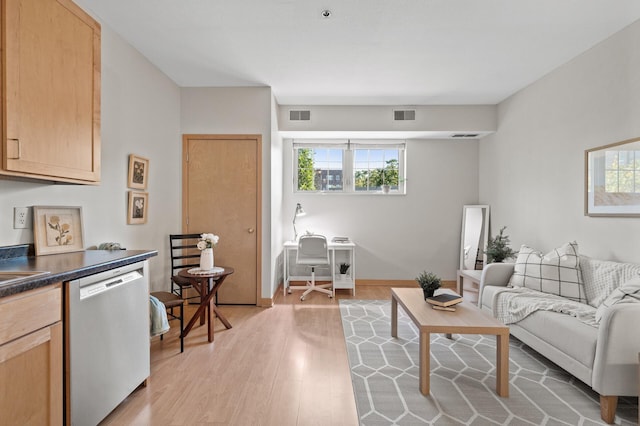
(138, 172)
(138, 208)
(57, 229)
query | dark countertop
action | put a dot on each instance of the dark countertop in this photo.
(65, 266)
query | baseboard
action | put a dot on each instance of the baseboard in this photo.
(265, 302)
(392, 283)
(451, 284)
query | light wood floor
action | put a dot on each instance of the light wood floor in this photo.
(285, 365)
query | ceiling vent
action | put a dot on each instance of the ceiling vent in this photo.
(404, 114)
(465, 135)
(299, 115)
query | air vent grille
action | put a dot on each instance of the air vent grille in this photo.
(404, 114)
(299, 115)
(465, 135)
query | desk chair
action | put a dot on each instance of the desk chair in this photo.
(171, 301)
(313, 251)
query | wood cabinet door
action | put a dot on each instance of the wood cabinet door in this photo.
(52, 90)
(31, 357)
(31, 378)
(221, 195)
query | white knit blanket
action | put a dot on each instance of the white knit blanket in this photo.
(514, 304)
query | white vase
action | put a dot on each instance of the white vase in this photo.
(206, 259)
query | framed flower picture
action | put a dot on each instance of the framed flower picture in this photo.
(138, 172)
(138, 208)
(57, 229)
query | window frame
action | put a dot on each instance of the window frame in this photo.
(348, 147)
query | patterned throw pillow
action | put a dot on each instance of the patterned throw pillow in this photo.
(557, 272)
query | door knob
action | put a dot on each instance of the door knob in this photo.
(250, 230)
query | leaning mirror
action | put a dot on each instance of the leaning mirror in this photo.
(612, 181)
(473, 240)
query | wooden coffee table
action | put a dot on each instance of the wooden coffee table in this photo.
(467, 319)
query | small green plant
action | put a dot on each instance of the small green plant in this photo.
(498, 247)
(344, 267)
(429, 282)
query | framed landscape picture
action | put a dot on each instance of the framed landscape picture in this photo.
(138, 172)
(612, 179)
(57, 229)
(138, 208)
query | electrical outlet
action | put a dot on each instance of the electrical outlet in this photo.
(20, 217)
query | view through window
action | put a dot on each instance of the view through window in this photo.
(348, 166)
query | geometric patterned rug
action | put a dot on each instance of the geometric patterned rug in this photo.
(384, 373)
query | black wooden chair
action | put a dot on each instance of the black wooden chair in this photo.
(184, 255)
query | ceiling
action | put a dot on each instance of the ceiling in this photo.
(368, 52)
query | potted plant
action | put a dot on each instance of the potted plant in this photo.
(429, 282)
(498, 248)
(344, 267)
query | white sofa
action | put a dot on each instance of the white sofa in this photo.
(605, 356)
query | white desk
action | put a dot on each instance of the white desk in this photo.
(338, 252)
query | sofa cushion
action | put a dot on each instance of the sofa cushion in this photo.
(601, 277)
(565, 333)
(557, 272)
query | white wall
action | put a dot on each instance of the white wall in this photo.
(532, 169)
(140, 115)
(443, 119)
(277, 233)
(237, 110)
(398, 236)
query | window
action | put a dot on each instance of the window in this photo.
(375, 167)
(342, 166)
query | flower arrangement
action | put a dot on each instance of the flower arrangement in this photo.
(344, 267)
(207, 241)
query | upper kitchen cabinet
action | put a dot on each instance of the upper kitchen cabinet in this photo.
(50, 91)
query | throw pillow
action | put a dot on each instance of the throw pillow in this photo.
(628, 292)
(601, 277)
(557, 272)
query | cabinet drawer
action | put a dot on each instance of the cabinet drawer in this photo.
(23, 313)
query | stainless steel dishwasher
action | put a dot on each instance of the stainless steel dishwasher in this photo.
(107, 338)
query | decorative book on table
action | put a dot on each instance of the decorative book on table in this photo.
(444, 308)
(444, 299)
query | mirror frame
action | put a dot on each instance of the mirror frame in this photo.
(484, 232)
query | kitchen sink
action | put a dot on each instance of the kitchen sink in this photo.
(10, 276)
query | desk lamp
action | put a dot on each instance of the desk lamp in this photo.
(299, 212)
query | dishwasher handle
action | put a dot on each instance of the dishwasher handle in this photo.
(99, 287)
